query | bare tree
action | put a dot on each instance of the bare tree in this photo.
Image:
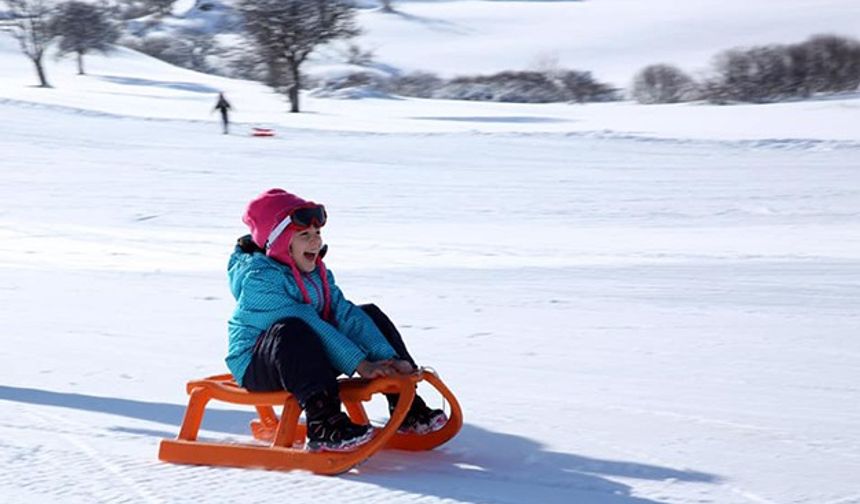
(822, 64)
(30, 19)
(287, 31)
(834, 63)
(82, 28)
(582, 87)
(662, 83)
(755, 74)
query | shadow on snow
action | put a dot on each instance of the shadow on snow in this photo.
(490, 467)
(479, 465)
(182, 86)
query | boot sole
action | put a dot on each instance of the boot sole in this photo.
(343, 446)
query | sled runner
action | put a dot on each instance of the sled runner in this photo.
(262, 132)
(282, 439)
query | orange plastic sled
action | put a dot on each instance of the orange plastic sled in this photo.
(282, 439)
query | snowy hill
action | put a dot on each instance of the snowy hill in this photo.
(131, 84)
(634, 304)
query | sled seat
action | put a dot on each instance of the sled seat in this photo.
(281, 439)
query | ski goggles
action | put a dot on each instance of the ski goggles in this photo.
(302, 218)
(309, 216)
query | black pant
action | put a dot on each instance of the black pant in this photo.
(290, 356)
(225, 121)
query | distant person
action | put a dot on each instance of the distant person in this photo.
(223, 105)
(293, 329)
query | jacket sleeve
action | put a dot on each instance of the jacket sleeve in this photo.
(265, 299)
(358, 326)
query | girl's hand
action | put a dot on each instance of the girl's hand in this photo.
(378, 369)
(401, 366)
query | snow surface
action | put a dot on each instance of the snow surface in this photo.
(633, 304)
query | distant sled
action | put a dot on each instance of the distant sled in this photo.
(262, 132)
(280, 441)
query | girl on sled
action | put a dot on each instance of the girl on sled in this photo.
(292, 328)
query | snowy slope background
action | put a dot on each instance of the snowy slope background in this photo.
(634, 304)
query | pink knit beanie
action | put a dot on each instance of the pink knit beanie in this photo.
(263, 215)
(267, 210)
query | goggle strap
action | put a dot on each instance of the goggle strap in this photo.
(278, 231)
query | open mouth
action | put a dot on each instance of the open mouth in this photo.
(310, 256)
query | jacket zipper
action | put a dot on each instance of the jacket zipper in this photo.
(320, 301)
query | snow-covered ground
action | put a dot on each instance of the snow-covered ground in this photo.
(633, 304)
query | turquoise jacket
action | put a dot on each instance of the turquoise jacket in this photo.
(266, 292)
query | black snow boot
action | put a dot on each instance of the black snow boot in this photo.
(420, 419)
(330, 429)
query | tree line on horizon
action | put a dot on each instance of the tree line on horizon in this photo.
(823, 64)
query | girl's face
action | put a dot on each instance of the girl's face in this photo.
(305, 248)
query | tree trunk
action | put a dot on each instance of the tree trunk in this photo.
(43, 80)
(80, 63)
(294, 88)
